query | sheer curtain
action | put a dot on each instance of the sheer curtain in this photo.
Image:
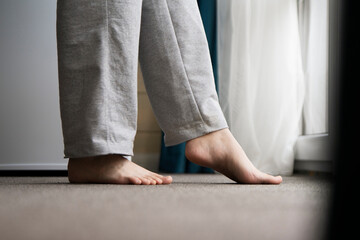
(273, 75)
(314, 28)
(261, 80)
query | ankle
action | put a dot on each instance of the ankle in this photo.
(193, 150)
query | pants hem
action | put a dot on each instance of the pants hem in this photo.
(91, 149)
(191, 133)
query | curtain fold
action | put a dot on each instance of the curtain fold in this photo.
(172, 159)
(314, 28)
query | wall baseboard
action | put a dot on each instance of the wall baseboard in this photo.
(318, 166)
(33, 166)
(312, 153)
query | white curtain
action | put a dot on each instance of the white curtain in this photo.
(268, 73)
(314, 28)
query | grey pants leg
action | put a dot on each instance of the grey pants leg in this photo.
(98, 47)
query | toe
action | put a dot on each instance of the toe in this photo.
(278, 179)
(158, 180)
(145, 181)
(151, 179)
(134, 180)
(271, 179)
(167, 180)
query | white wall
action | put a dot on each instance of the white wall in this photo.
(30, 128)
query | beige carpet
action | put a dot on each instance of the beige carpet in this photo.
(193, 207)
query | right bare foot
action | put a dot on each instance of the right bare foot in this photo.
(111, 169)
(220, 151)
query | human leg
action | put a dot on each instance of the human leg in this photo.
(97, 61)
(176, 66)
(177, 71)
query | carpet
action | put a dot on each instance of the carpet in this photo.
(194, 206)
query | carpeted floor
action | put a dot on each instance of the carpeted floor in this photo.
(193, 207)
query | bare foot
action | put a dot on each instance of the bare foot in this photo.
(220, 151)
(111, 169)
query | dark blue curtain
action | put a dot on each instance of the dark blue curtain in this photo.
(172, 159)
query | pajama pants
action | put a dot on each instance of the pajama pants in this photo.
(100, 43)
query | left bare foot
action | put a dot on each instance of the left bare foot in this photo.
(111, 169)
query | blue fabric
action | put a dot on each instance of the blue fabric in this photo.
(208, 14)
(172, 159)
